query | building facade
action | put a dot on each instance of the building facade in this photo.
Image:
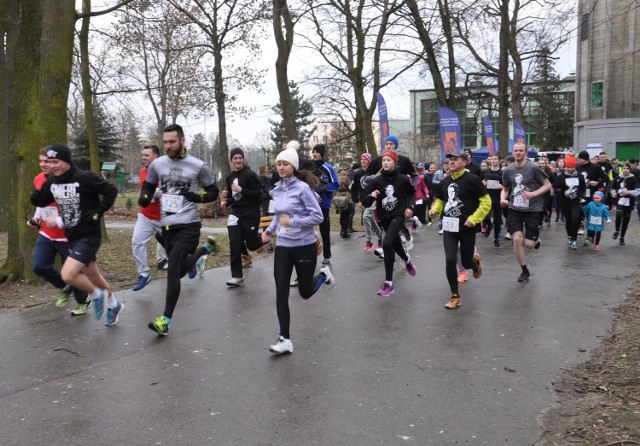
(608, 77)
(474, 102)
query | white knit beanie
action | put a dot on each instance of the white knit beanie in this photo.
(293, 144)
(290, 156)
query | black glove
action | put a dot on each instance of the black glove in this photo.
(191, 196)
(145, 199)
(92, 216)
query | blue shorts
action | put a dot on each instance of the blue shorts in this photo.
(84, 250)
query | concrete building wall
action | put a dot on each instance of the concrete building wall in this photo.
(608, 56)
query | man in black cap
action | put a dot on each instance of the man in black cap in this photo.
(243, 193)
(77, 194)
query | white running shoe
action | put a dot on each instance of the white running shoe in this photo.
(580, 231)
(507, 236)
(409, 244)
(441, 231)
(294, 282)
(200, 264)
(418, 223)
(235, 282)
(330, 281)
(282, 346)
(379, 253)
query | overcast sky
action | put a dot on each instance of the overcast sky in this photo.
(256, 126)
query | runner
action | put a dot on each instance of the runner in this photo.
(394, 196)
(296, 212)
(467, 204)
(147, 225)
(243, 193)
(571, 188)
(596, 213)
(180, 176)
(328, 175)
(493, 183)
(524, 186)
(77, 194)
(52, 241)
(624, 191)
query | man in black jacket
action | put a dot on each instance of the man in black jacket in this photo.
(77, 194)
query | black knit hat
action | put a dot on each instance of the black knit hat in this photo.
(59, 152)
(584, 155)
(234, 152)
(320, 149)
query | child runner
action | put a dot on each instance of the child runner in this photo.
(595, 214)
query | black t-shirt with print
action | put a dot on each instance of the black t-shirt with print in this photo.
(461, 197)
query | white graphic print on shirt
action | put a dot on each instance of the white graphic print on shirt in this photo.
(389, 202)
(453, 207)
(68, 199)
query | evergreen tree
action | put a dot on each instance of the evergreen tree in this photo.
(553, 119)
(199, 147)
(109, 143)
(303, 111)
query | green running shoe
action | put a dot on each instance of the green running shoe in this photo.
(81, 309)
(211, 245)
(63, 296)
(160, 325)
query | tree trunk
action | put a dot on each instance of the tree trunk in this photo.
(7, 39)
(87, 94)
(222, 115)
(42, 61)
(503, 80)
(284, 42)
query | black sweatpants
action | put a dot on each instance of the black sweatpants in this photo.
(244, 231)
(180, 243)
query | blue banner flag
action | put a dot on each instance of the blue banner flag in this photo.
(488, 133)
(519, 135)
(450, 131)
(384, 120)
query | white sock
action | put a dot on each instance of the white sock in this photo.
(112, 301)
(96, 293)
(389, 282)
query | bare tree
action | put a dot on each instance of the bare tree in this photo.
(283, 30)
(361, 55)
(526, 28)
(162, 57)
(232, 27)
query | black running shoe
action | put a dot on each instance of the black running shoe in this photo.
(524, 277)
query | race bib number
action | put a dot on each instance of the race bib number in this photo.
(451, 224)
(233, 220)
(291, 229)
(419, 201)
(49, 211)
(172, 203)
(623, 201)
(572, 182)
(587, 193)
(493, 184)
(596, 221)
(520, 202)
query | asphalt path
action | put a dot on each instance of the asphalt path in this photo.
(366, 370)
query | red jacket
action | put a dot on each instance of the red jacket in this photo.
(152, 212)
(56, 233)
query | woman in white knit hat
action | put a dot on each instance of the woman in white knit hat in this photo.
(296, 213)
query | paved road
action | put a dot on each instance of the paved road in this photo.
(366, 370)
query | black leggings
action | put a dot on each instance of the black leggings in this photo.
(392, 245)
(594, 236)
(304, 259)
(467, 242)
(623, 215)
(181, 244)
(496, 213)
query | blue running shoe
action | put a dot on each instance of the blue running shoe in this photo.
(113, 314)
(193, 272)
(142, 282)
(211, 245)
(98, 305)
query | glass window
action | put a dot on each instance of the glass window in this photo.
(597, 94)
(584, 29)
